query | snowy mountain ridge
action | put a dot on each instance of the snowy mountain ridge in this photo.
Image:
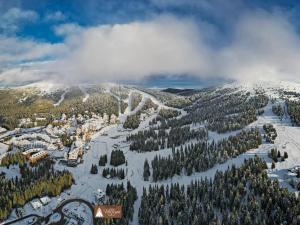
(268, 86)
(48, 86)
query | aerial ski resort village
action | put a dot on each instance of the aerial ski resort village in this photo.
(149, 112)
(123, 145)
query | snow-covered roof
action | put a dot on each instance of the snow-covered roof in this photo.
(32, 150)
(3, 148)
(45, 200)
(36, 204)
(39, 154)
(44, 137)
(2, 129)
(73, 155)
(78, 143)
(52, 147)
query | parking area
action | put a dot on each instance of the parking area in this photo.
(77, 213)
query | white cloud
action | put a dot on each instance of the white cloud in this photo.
(11, 19)
(55, 16)
(165, 45)
(262, 45)
(20, 76)
(15, 50)
(67, 29)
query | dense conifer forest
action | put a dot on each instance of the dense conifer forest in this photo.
(168, 113)
(169, 99)
(117, 158)
(13, 159)
(113, 173)
(243, 196)
(34, 182)
(231, 110)
(276, 155)
(271, 133)
(203, 155)
(94, 169)
(278, 110)
(103, 160)
(154, 140)
(148, 105)
(291, 93)
(293, 108)
(146, 173)
(119, 195)
(12, 109)
(133, 121)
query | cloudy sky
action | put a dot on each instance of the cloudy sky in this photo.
(135, 40)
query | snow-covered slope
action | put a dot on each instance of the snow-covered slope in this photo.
(268, 86)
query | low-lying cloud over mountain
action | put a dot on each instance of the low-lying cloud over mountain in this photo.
(261, 45)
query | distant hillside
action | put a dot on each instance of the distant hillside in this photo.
(184, 92)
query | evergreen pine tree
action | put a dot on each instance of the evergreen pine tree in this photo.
(146, 173)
